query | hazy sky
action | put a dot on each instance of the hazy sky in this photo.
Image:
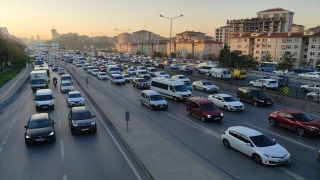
(26, 18)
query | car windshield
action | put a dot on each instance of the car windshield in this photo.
(66, 78)
(163, 73)
(39, 124)
(230, 99)
(43, 97)
(181, 88)
(82, 115)
(262, 141)
(207, 83)
(118, 77)
(66, 84)
(126, 76)
(187, 83)
(153, 70)
(259, 94)
(156, 98)
(102, 74)
(114, 69)
(142, 80)
(302, 117)
(75, 95)
(182, 77)
(37, 81)
(208, 107)
(143, 72)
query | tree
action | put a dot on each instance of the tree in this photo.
(236, 60)
(189, 56)
(138, 52)
(269, 58)
(287, 63)
(173, 55)
(224, 53)
(114, 51)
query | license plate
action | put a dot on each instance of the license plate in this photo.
(269, 103)
(44, 106)
(84, 129)
(216, 118)
(282, 160)
(40, 139)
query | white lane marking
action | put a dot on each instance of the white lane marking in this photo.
(280, 136)
(115, 141)
(4, 142)
(9, 131)
(13, 121)
(59, 123)
(62, 150)
(7, 136)
(64, 177)
(1, 149)
(11, 126)
(291, 173)
(58, 111)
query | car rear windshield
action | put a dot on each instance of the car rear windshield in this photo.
(118, 77)
(66, 84)
(142, 80)
(208, 107)
(302, 117)
(39, 124)
(66, 78)
(82, 115)
(114, 69)
(262, 141)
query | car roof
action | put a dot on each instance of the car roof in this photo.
(115, 75)
(223, 95)
(43, 91)
(201, 100)
(289, 111)
(66, 75)
(79, 109)
(246, 131)
(151, 92)
(74, 92)
(39, 116)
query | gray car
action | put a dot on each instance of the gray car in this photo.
(205, 86)
(153, 100)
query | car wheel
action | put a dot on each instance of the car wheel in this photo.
(257, 158)
(300, 132)
(272, 122)
(304, 90)
(225, 108)
(150, 107)
(311, 97)
(251, 85)
(175, 99)
(188, 112)
(226, 143)
(194, 87)
(255, 103)
(203, 119)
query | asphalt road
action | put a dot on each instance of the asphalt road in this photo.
(202, 140)
(98, 155)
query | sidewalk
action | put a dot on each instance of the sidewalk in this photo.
(10, 88)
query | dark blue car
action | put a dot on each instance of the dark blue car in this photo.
(303, 69)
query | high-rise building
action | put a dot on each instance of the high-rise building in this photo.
(144, 36)
(272, 20)
(54, 33)
(221, 35)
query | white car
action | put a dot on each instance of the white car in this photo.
(102, 76)
(131, 71)
(227, 102)
(313, 95)
(182, 78)
(162, 74)
(127, 78)
(94, 72)
(174, 66)
(78, 65)
(264, 83)
(205, 86)
(253, 143)
(66, 86)
(310, 88)
(117, 79)
(310, 75)
(74, 98)
(290, 72)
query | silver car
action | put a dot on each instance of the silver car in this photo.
(153, 100)
(66, 86)
(205, 86)
(74, 98)
(313, 95)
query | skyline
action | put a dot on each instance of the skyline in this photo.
(31, 18)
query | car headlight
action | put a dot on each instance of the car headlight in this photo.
(51, 102)
(209, 116)
(52, 133)
(37, 104)
(93, 122)
(268, 156)
(261, 100)
(221, 114)
(28, 137)
(74, 124)
(311, 128)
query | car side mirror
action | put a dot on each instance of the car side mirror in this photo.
(34, 99)
(25, 127)
(93, 116)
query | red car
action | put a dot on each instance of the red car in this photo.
(295, 120)
(203, 109)
(103, 68)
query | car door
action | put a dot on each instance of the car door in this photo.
(196, 110)
(243, 144)
(218, 100)
(248, 96)
(289, 121)
(232, 138)
(147, 100)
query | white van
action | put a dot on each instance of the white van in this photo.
(171, 88)
(113, 69)
(222, 73)
(205, 68)
(44, 99)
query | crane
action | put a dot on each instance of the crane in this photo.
(54, 27)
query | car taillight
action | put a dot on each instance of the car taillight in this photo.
(225, 133)
(319, 152)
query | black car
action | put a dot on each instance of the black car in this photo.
(140, 83)
(254, 96)
(185, 69)
(81, 120)
(40, 128)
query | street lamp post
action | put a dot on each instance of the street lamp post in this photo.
(170, 28)
(95, 35)
(122, 36)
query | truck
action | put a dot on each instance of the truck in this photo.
(238, 74)
(38, 79)
(222, 73)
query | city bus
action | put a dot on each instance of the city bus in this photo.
(268, 66)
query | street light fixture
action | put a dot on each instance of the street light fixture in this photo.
(170, 28)
(122, 36)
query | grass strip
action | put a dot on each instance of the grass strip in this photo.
(8, 75)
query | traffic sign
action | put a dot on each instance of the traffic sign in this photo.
(286, 90)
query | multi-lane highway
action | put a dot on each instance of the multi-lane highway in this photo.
(98, 156)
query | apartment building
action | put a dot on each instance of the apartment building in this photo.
(144, 36)
(305, 47)
(124, 38)
(274, 20)
(221, 35)
(297, 28)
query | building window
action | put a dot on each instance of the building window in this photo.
(296, 39)
(257, 52)
(295, 53)
(244, 52)
(311, 53)
(239, 40)
(269, 46)
(289, 39)
(258, 45)
(258, 40)
(305, 50)
(296, 46)
(268, 52)
(318, 53)
(306, 43)
(305, 56)
(314, 39)
(245, 40)
(313, 46)
(239, 46)
(282, 52)
(288, 46)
